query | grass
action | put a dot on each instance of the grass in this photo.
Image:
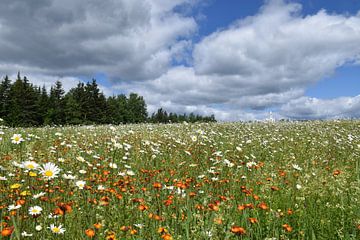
(282, 180)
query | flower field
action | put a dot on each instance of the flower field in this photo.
(282, 180)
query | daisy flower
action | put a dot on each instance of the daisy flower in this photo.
(68, 176)
(296, 167)
(49, 170)
(113, 165)
(36, 196)
(17, 139)
(80, 184)
(13, 207)
(57, 229)
(36, 210)
(25, 234)
(30, 165)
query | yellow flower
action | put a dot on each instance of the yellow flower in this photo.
(15, 186)
(32, 174)
(24, 193)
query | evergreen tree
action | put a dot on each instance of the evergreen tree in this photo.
(16, 102)
(72, 110)
(137, 108)
(55, 113)
(42, 105)
(5, 87)
(30, 110)
(95, 105)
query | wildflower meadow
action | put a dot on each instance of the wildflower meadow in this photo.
(283, 180)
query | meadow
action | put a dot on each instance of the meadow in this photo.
(284, 180)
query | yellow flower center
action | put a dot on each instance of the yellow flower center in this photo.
(17, 138)
(56, 229)
(30, 166)
(49, 173)
(34, 211)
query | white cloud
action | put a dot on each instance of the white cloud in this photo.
(260, 62)
(126, 39)
(313, 108)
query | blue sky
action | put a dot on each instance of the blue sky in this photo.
(237, 59)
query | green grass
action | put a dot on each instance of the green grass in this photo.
(190, 179)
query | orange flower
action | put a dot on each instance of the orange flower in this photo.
(90, 232)
(241, 207)
(238, 230)
(65, 207)
(162, 230)
(143, 207)
(97, 225)
(58, 211)
(111, 236)
(104, 201)
(7, 231)
(275, 188)
(282, 173)
(256, 197)
(124, 228)
(168, 202)
(263, 206)
(336, 172)
(192, 194)
(290, 211)
(287, 227)
(133, 231)
(253, 220)
(166, 236)
(213, 207)
(157, 185)
(218, 221)
(20, 202)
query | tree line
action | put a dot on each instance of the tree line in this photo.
(25, 104)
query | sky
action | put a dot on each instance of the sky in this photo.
(236, 59)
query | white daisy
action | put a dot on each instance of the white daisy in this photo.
(49, 170)
(25, 234)
(57, 229)
(36, 210)
(113, 165)
(36, 196)
(17, 139)
(30, 165)
(13, 207)
(80, 184)
(296, 167)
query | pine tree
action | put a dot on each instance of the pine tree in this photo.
(16, 103)
(137, 108)
(42, 105)
(55, 113)
(73, 114)
(5, 87)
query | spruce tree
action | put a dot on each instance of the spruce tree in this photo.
(5, 87)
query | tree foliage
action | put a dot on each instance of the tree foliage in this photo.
(24, 104)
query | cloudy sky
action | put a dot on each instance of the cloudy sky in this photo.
(236, 59)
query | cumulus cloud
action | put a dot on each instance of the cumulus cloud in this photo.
(314, 108)
(262, 61)
(128, 40)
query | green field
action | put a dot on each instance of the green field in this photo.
(282, 180)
